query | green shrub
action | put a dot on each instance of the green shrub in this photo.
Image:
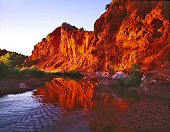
(33, 72)
(81, 29)
(107, 6)
(7, 59)
(133, 80)
(3, 68)
(135, 76)
(14, 72)
(7, 71)
(12, 59)
(76, 75)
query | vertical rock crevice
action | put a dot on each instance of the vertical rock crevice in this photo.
(128, 32)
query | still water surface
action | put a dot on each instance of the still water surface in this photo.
(65, 105)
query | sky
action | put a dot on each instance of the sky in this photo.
(23, 23)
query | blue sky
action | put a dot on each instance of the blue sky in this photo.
(23, 23)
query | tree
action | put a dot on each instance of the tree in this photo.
(81, 29)
(107, 6)
(12, 59)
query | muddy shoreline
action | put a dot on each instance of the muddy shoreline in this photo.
(20, 85)
(149, 86)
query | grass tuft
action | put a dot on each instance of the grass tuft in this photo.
(76, 75)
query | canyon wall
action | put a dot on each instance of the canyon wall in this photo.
(129, 32)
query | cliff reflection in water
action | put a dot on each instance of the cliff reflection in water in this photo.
(68, 93)
(80, 94)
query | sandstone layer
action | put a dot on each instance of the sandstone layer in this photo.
(129, 32)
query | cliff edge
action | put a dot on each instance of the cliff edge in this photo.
(129, 32)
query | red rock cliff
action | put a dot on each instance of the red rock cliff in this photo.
(128, 32)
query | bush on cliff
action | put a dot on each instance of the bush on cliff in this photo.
(81, 29)
(107, 6)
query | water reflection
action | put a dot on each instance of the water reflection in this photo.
(85, 96)
(71, 94)
(85, 106)
(68, 93)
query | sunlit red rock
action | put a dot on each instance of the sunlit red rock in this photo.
(128, 32)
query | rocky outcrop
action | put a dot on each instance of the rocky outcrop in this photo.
(128, 32)
(66, 48)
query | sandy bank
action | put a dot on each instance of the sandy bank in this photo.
(19, 85)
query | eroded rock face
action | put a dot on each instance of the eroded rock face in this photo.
(128, 32)
(66, 48)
